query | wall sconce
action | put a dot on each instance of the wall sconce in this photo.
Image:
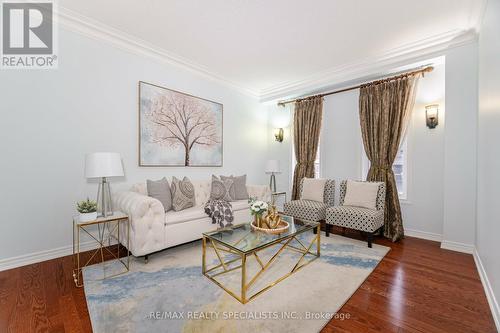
(431, 115)
(278, 134)
(280, 119)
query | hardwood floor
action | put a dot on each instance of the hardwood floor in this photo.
(417, 287)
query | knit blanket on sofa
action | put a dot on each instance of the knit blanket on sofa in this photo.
(220, 211)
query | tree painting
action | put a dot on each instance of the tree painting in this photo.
(178, 129)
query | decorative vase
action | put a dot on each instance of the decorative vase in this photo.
(87, 217)
(258, 220)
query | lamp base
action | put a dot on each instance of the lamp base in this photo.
(272, 182)
(104, 202)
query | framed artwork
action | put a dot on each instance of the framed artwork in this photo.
(177, 129)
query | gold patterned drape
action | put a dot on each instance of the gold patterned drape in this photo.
(384, 112)
(306, 129)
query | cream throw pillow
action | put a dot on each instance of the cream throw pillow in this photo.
(313, 189)
(361, 194)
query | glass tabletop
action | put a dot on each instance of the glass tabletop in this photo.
(244, 239)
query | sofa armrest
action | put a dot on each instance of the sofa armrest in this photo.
(147, 220)
(261, 192)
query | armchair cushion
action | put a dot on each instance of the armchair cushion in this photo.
(328, 193)
(357, 218)
(380, 195)
(361, 194)
(306, 209)
(313, 189)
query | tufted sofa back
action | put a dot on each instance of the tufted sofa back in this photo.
(380, 195)
(201, 190)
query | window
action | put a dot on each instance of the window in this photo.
(317, 170)
(399, 167)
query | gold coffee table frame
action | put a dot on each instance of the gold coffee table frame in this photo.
(209, 241)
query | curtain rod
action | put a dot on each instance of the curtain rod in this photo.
(421, 70)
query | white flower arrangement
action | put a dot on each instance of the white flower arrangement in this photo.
(258, 207)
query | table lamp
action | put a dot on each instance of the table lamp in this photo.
(272, 168)
(103, 165)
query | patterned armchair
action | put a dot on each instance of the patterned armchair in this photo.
(358, 218)
(309, 209)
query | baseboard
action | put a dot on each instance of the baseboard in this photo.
(492, 301)
(458, 247)
(423, 235)
(32, 258)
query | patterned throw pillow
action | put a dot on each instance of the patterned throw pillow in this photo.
(222, 189)
(240, 186)
(182, 194)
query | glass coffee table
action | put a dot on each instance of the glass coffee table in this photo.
(244, 255)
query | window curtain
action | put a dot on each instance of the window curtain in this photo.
(384, 111)
(306, 129)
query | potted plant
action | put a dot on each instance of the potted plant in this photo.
(87, 209)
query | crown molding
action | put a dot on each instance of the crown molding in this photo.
(382, 63)
(476, 14)
(96, 30)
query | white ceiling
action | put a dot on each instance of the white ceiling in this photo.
(264, 45)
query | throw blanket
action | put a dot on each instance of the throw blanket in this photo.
(220, 212)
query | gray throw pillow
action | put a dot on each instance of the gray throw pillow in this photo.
(182, 194)
(160, 189)
(222, 189)
(240, 186)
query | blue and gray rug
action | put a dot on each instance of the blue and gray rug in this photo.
(169, 294)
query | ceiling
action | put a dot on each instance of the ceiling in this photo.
(265, 47)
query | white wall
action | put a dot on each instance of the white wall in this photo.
(280, 151)
(423, 209)
(460, 148)
(51, 118)
(488, 226)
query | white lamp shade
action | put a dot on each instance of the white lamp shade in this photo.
(103, 165)
(432, 110)
(273, 166)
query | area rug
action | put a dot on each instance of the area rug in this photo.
(169, 293)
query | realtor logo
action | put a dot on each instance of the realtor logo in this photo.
(28, 35)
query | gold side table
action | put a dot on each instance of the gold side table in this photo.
(102, 231)
(275, 195)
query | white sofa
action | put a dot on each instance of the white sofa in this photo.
(151, 229)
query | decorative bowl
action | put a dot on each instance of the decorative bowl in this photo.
(282, 227)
